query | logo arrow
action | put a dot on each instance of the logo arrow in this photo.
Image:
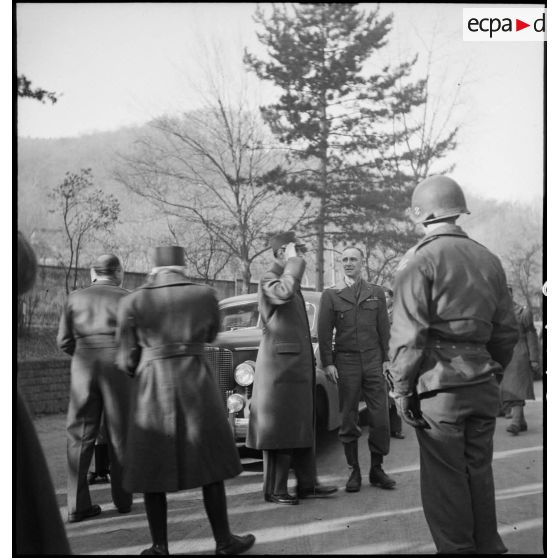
(519, 25)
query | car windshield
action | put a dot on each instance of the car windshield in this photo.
(246, 315)
(239, 316)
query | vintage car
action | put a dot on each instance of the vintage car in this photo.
(232, 358)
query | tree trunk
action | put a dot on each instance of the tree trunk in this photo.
(69, 272)
(323, 198)
(321, 248)
(246, 277)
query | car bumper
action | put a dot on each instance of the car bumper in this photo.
(239, 428)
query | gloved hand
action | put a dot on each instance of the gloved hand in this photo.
(535, 366)
(408, 409)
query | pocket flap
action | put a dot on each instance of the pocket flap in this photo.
(287, 347)
(342, 305)
(370, 303)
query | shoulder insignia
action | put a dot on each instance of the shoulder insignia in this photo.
(405, 260)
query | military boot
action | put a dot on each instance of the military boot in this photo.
(377, 475)
(355, 480)
(518, 423)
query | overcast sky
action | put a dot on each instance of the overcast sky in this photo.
(121, 64)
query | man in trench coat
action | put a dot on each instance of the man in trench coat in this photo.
(517, 385)
(282, 411)
(87, 333)
(178, 436)
(452, 334)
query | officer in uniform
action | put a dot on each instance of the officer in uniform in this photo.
(453, 333)
(178, 436)
(283, 407)
(357, 311)
(87, 333)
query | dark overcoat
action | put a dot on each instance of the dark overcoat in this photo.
(517, 384)
(178, 436)
(38, 525)
(282, 410)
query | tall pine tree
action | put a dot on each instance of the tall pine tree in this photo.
(334, 119)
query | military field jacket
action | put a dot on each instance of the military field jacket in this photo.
(453, 318)
(90, 313)
(360, 325)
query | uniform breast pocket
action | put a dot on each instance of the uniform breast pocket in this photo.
(370, 304)
(342, 310)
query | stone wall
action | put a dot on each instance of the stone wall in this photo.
(45, 385)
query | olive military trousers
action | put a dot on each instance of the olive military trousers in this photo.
(362, 373)
(457, 484)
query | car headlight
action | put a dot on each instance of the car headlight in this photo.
(235, 403)
(244, 373)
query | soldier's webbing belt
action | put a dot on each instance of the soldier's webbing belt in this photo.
(462, 345)
(172, 350)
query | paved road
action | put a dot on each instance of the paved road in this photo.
(373, 521)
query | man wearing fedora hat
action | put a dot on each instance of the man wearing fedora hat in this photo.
(178, 436)
(87, 333)
(283, 407)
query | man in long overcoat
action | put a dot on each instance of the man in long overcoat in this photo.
(517, 385)
(356, 310)
(282, 411)
(178, 436)
(87, 333)
(452, 334)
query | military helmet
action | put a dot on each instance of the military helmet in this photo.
(435, 198)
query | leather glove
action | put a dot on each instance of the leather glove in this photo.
(408, 408)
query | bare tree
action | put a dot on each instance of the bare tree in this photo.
(207, 257)
(524, 270)
(84, 210)
(210, 168)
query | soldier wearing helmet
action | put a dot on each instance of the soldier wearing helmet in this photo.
(453, 333)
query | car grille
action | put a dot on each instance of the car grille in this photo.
(220, 362)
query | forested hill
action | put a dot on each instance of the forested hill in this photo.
(42, 164)
(511, 230)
